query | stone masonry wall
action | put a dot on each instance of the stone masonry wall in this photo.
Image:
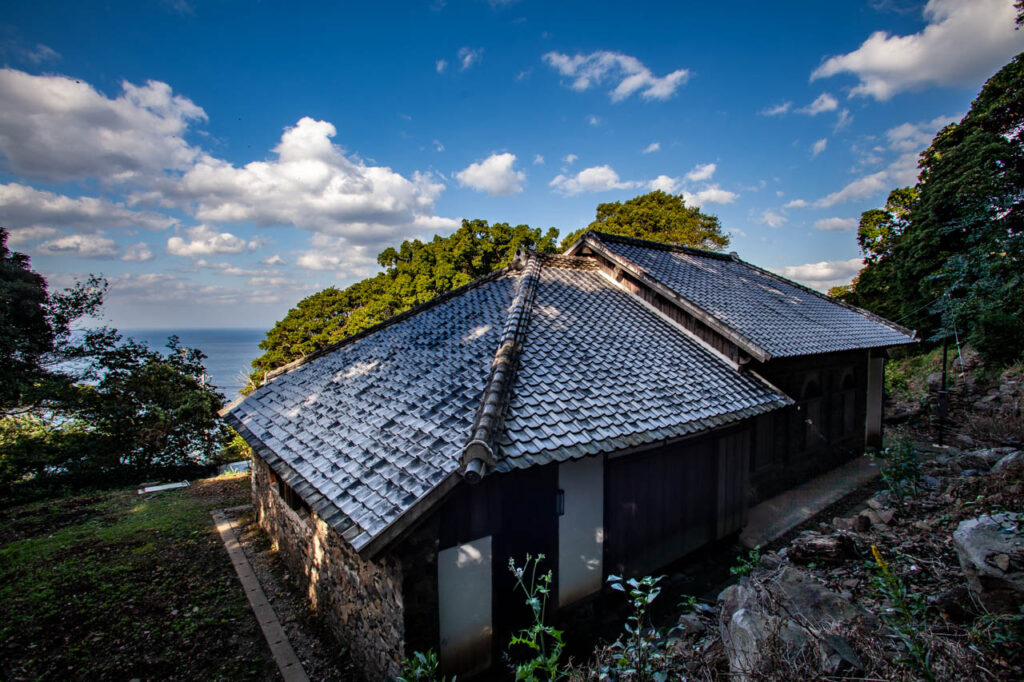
(360, 600)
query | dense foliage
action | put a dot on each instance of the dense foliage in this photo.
(947, 257)
(413, 274)
(660, 217)
(91, 401)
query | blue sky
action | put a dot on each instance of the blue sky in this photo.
(218, 161)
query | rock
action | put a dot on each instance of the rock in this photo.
(968, 473)
(875, 503)
(885, 515)
(809, 547)
(1015, 458)
(861, 524)
(989, 537)
(990, 455)
(691, 625)
(842, 524)
(931, 482)
(934, 381)
(922, 525)
(872, 516)
(785, 608)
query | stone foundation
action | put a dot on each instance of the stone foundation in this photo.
(360, 600)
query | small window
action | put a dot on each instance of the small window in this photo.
(290, 497)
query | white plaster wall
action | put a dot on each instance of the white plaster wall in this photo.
(464, 596)
(873, 421)
(581, 529)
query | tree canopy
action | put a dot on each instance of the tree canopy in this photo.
(414, 273)
(951, 259)
(660, 217)
(90, 400)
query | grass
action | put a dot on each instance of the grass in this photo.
(120, 586)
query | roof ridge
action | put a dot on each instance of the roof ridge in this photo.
(478, 453)
(647, 243)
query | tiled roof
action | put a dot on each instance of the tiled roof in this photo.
(365, 431)
(601, 372)
(778, 316)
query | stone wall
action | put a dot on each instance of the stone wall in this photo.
(360, 600)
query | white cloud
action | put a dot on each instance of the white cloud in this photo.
(593, 120)
(205, 241)
(40, 53)
(665, 184)
(594, 179)
(495, 175)
(441, 65)
(570, 158)
(835, 224)
(24, 206)
(313, 185)
(907, 140)
(843, 120)
(964, 42)
(652, 147)
(629, 74)
(57, 128)
(858, 189)
(139, 253)
(822, 103)
(538, 160)
(712, 194)
(819, 146)
(19, 236)
(776, 110)
(335, 253)
(469, 56)
(772, 219)
(273, 261)
(81, 246)
(702, 172)
(796, 203)
(438, 147)
(823, 275)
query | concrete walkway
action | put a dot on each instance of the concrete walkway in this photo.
(775, 517)
(287, 662)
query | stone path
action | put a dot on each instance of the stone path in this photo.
(287, 662)
(773, 518)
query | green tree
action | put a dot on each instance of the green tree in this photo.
(414, 273)
(879, 232)
(961, 256)
(657, 216)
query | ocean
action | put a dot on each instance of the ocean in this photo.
(229, 351)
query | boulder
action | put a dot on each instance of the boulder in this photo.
(1015, 458)
(786, 612)
(991, 553)
(810, 547)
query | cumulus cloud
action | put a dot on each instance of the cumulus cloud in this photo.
(203, 241)
(335, 253)
(702, 172)
(712, 194)
(772, 219)
(823, 275)
(273, 261)
(777, 110)
(964, 42)
(907, 141)
(57, 128)
(593, 179)
(468, 56)
(819, 146)
(796, 203)
(538, 160)
(652, 147)
(628, 73)
(495, 175)
(835, 224)
(665, 184)
(570, 158)
(822, 103)
(314, 185)
(81, 246)
(139, 253)
(24, 206)
(19, 236)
